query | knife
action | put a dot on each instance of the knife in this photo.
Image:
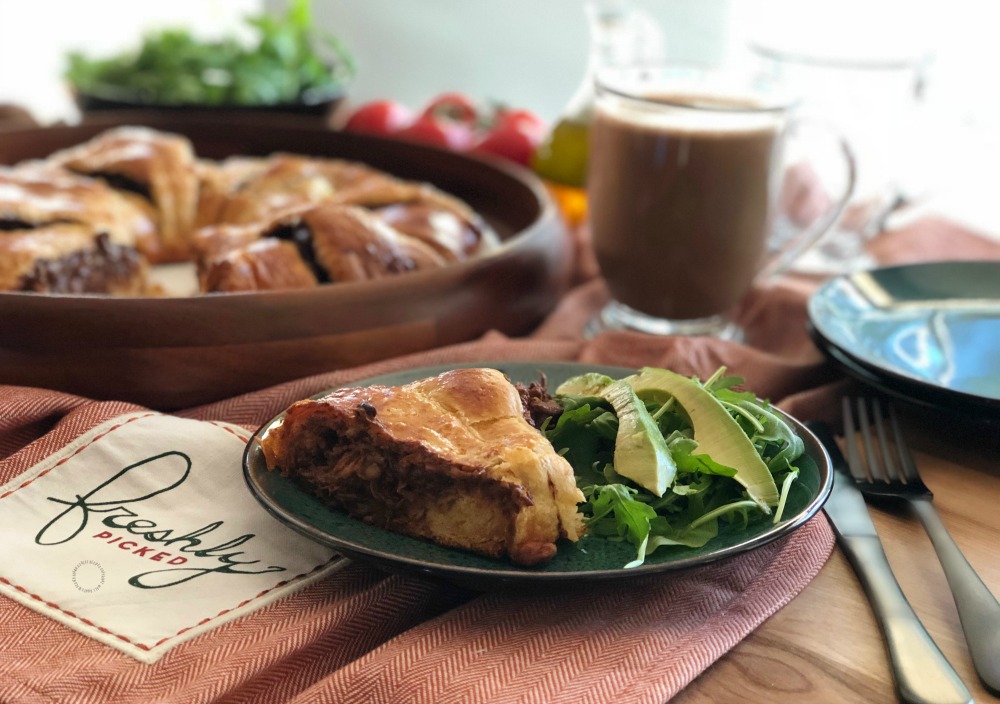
(922, 673)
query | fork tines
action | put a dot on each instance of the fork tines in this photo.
(883, 459)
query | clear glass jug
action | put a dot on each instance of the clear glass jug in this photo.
(620, 34)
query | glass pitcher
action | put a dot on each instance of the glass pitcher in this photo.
(620, 34)
(873, 102)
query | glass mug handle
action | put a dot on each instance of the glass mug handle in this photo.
(781, 257)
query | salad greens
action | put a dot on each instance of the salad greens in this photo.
(288, 62)
(663, 459)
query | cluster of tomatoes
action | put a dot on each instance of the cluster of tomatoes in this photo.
(454, 121)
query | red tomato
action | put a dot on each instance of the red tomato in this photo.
(507, 142)
(439, 132)
(521, 120)
(453, 106)
(515, 135)
(382, 117)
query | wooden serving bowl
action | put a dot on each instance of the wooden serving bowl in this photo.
(170, 353)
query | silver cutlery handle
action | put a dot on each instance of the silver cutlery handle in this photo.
(977, 607)
(923, 674)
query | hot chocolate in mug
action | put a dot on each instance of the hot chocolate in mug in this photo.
(687, 168)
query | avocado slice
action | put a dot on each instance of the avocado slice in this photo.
(718, 435)
(589, 384)
(641, 453)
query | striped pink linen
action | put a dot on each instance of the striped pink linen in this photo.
(364, 636)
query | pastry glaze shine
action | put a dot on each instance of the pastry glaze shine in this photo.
(150, 193)
(450, 458)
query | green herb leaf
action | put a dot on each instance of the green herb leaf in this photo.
(286, 61)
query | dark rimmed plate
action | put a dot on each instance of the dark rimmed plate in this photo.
(928, 333)
(592, 559)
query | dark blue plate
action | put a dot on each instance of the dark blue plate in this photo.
(929, 333)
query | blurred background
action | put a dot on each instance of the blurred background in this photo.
(532, 54)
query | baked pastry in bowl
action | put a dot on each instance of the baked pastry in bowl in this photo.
(507, 264)
(340, 220)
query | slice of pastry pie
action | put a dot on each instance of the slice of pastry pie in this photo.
(262, 265)
(450, 458)
(242, 190)
(38, 194)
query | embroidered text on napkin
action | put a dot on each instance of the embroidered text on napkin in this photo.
(142, 533)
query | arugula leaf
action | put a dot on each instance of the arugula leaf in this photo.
(778, 444)
(682, 448)
(582, 434)
(631, 517)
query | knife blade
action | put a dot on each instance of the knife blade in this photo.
(922, 673)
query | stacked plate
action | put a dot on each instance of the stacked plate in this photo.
(926, 333)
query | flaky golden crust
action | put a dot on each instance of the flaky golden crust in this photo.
(37, 194)
(162, 163)
(145, 188)
(380, 189)
(443, 230)
(276, 185)
(216, 181)
(353, 245)
(449, 458)
(262, 265)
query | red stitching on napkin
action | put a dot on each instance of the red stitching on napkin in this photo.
(142, 646)
(74, 454)
(228, 430)
(60, 609)
(246, 601)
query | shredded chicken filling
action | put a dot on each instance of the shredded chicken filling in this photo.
(384, 486)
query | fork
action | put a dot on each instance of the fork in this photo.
(881, 472)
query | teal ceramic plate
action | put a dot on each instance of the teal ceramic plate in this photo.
(927, 332)
(591, 559)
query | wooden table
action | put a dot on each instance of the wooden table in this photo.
(825, 645)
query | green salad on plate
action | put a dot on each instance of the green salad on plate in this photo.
(665, 459)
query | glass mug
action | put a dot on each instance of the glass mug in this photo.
(684, 183)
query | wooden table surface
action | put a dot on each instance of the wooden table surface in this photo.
(825, 645)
